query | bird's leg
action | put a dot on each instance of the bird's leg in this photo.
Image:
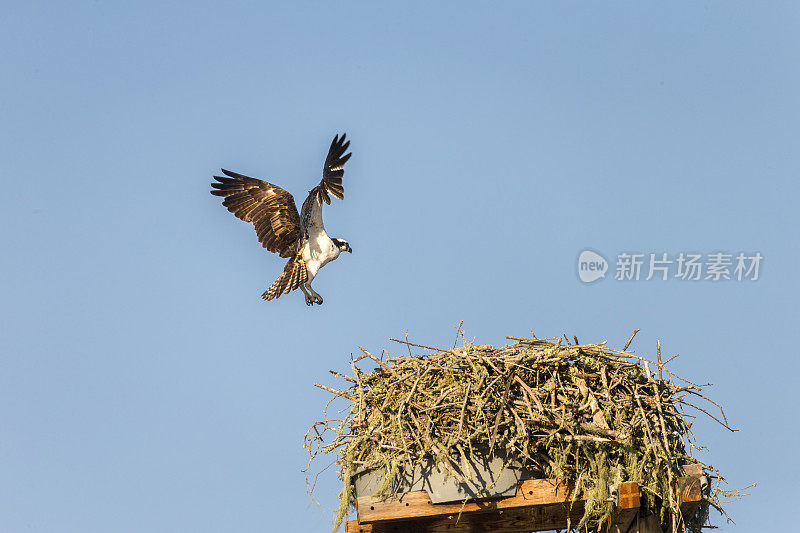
(309, 298)
(317, 299)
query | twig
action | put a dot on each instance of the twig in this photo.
(630, 339)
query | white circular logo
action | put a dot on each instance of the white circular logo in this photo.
(591, 266)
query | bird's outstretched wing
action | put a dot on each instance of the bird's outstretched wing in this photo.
(271, 210)
(333, 170)
(331, 183)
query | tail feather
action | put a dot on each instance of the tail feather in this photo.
(293, 275)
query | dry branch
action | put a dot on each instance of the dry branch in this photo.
(561, 410)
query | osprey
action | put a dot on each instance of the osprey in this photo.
(280, 229)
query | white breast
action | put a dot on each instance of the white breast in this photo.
(318, 251)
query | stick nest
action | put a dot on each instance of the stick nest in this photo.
(584, 414)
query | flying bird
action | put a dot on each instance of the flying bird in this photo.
(300, 237)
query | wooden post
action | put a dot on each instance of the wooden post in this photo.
(353, 526)
(627, 508)
(690, 494)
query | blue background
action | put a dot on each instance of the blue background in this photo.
(144, 385)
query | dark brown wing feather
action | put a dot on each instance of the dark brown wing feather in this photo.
(333, 170)
(294, 273)
(271, 210)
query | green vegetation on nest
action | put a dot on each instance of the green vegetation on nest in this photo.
(586, 415)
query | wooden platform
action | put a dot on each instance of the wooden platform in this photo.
(539, 505)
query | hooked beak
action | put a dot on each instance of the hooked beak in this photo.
(348, 249)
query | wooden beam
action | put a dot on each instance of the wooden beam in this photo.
(539, 505)
(690, 494)
(353, 526)
(628, 506)
(417, 504)
(542, 517)
(515, 520)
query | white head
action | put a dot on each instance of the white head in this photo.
(342, 245)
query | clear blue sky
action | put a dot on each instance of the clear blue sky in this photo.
(146, 387)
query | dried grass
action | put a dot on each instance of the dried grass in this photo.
(583, 414)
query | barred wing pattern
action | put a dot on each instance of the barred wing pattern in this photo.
(333, 170)
(294, 274)
(271, 210)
